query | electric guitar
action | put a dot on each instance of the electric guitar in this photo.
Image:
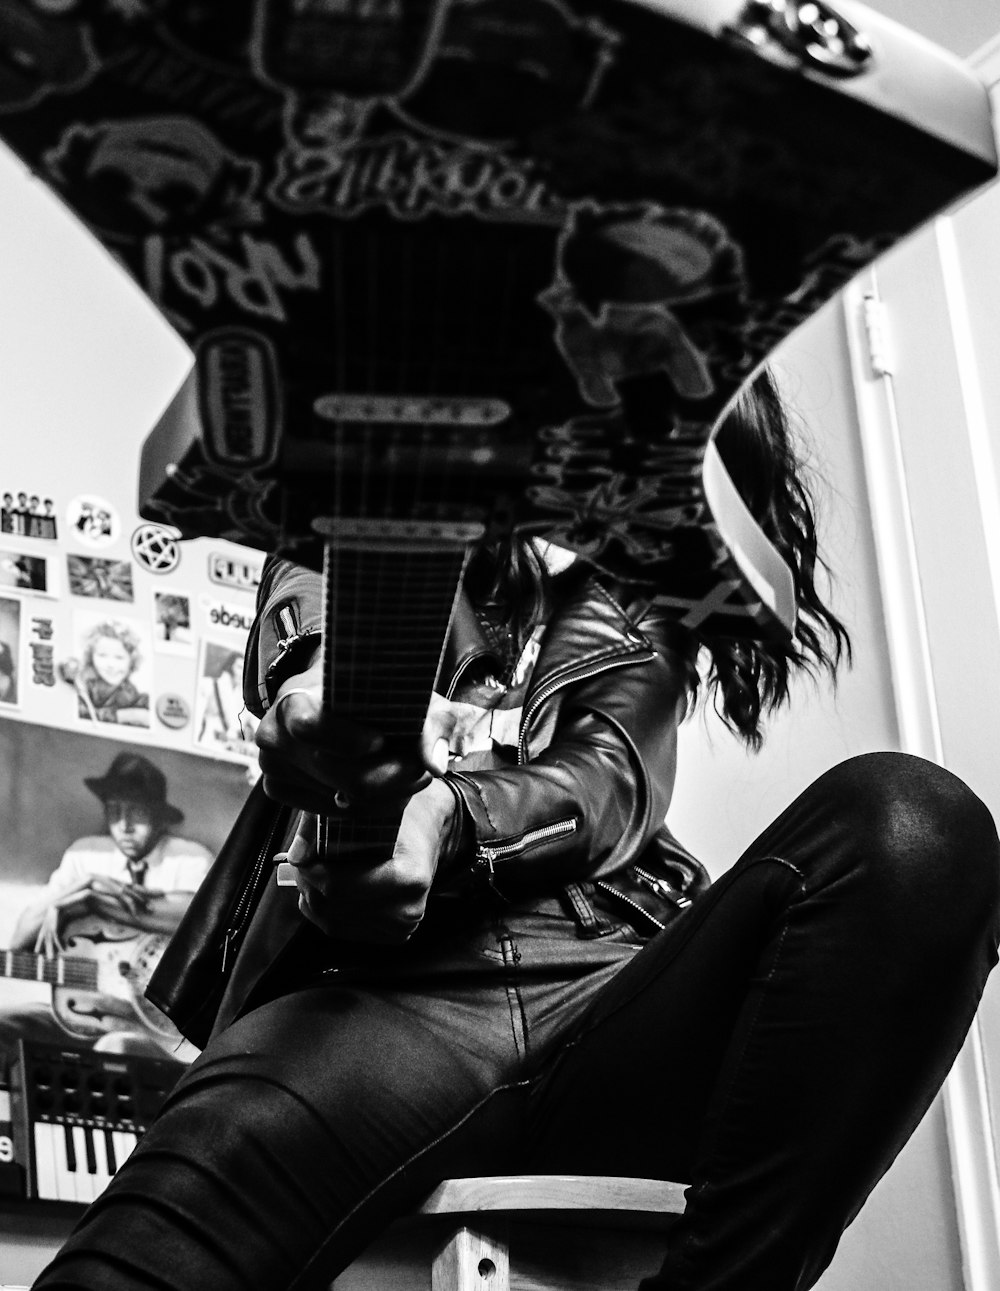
(454, 267)
(98, 982)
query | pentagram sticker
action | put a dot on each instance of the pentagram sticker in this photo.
(156, 548)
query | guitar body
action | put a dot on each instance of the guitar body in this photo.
(98, 982)
(495, 263)
(124, 964)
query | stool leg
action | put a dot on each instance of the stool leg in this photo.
(473, 1260)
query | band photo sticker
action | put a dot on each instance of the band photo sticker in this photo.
(24, 571)
(10, 652)
(109, 670)
(222, 722)
(27, 515)
(100, 578)
(172, 632)
(93, 521)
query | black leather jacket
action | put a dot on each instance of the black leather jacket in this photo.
(581, 815)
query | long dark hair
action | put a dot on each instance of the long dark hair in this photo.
(746, 679)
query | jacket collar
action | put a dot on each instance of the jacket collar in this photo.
(593, 628)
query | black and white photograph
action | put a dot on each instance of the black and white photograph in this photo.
(95, 882)
(110, 670)
(10, 651)
(172, 630)
(222, 722)
(22, 571)
(100, 578)
(499, 638)
(28, 515)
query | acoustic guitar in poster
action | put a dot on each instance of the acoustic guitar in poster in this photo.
(98, 982)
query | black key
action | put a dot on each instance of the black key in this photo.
(70, 1149)
(88, 1139)
(110, 1149)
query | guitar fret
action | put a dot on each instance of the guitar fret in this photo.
(385, 619)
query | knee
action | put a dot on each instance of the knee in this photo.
(920, 828)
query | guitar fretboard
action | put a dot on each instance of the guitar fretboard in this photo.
(55, 970)
(388, 606)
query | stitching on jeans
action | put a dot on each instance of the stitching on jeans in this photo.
(400, 1169)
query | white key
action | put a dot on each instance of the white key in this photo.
(45, 1160)
(65, 1174)
(124, 1143)
(84, 1179)
(103, 1176)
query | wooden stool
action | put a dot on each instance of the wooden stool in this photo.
(564, 1232)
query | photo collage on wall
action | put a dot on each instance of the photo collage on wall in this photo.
(109, 624)
(121, 660)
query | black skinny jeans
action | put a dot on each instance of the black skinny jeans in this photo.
(775, 1047)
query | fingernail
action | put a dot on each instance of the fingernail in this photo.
(439, 756)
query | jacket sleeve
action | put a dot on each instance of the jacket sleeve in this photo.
(584, 806)
(589, 803)
(285, 632)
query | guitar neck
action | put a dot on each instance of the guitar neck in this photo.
(390, 591)
(53, 970)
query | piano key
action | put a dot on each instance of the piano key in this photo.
(102, 1174)
(84, 1179)
(88, 1139)
(63, 1144)
(45, 1161)
(124, 1143)
(109, 1145)
(70, 1156)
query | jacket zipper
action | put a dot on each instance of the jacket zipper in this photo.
(570, 679)
(662, 888)
(487, 853)
(623, 899)
(242, 910)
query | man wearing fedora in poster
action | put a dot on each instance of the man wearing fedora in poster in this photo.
(113, 898)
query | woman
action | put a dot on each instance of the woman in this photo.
(105, 691)
(527, 986)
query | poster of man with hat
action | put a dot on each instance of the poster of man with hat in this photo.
(108, 909)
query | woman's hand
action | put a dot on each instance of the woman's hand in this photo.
(308, 756)
(357, 901)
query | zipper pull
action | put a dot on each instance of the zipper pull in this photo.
(483, 863)
(228, 938)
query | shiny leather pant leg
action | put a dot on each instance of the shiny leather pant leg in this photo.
(778, 1046)
(775, 1047)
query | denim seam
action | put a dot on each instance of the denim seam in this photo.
(400, 1169)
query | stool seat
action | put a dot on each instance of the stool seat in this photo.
(524, 1233)
(621, 1202)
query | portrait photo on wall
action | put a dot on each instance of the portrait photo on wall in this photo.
(10, 651)
(103, 841)
(26, 515)
(172, 623)
(222, 722)
(20, 571)
(98, 577)
(109, 670)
